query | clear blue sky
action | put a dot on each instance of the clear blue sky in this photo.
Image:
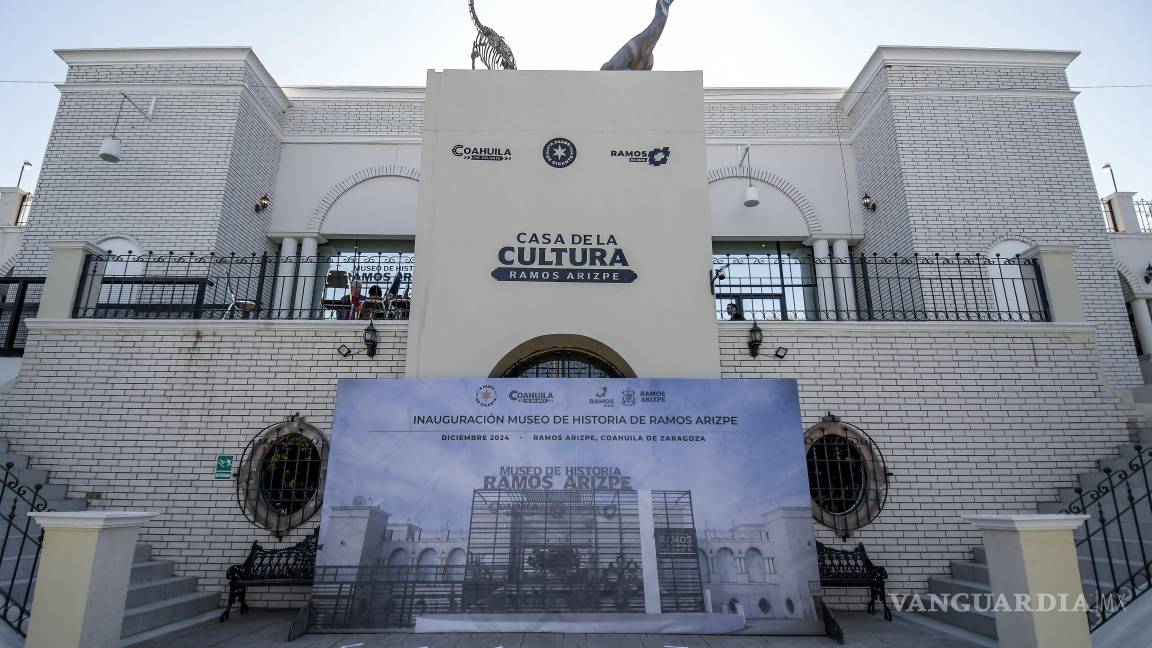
(735, 42)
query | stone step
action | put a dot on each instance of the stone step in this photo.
(982, 623)
(143, 553)
(170, 610)
(212, 616)
(17, 460)
(979, 555)
(3, 445)
(949, 585)
(150, 570)
(970, 571)
(161, 588)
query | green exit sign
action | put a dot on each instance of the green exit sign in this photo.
(224, 466)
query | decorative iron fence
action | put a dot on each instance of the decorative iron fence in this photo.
(1113, 541)
(261, 286)
(1144, 214)
(19, 301)
(879, 288)
(20, 548)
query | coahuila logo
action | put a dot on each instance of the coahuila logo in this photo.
(656, 157)
(601, 398)
(628, 397)
(496, 154)
(486, 396)
(530, 397)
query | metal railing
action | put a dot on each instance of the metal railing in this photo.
(192, 286)
(879, 288)
(1116, 541)
(20, 548)
(1144, 214)
(19, 301)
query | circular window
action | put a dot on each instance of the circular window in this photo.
(280, 483)
(846, 475)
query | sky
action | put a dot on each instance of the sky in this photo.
(794, 43)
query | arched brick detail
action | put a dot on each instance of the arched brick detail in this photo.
(1135, 280)
(330, 198)
(772, 180)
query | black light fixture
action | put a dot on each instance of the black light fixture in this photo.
(371, 339)
(868, 203)
(1148, 274)
(263, 203)
(781, 353)
(755, 339)
(344, 350)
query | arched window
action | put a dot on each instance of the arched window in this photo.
(562, 363)
(399, 558)
(725, 566)
(847, 477)
(455, 565)
(754, 565)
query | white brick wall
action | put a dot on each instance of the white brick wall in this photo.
(139, 415)
(962, 157)
(993, 418)
(188, 179)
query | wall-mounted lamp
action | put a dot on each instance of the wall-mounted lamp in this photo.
(1148, 274)
(263, 203)
(868, 203)
(755, 339)
(751, 194)
(110, 150)
(371, 339)
(781, 353)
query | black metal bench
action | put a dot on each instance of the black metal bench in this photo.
(839, 568)
(289, 566)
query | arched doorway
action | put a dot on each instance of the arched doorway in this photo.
(562, 356)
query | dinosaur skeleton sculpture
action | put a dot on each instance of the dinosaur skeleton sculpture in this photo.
(489, 46)
(637, 53)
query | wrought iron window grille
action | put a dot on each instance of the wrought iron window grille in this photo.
(847, 476)
(280, 481)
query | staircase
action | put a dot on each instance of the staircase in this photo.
(158, 602)
(1103, 562)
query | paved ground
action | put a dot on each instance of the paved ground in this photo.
(270, 629)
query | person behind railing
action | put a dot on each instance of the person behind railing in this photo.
(735, 314)
(351, 302)
(374, 304)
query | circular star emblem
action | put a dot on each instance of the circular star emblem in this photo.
(560, 152)
(486, 396)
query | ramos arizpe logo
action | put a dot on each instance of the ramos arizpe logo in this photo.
(486, 396)
(601, 398)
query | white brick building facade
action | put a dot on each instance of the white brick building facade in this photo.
(961, 150)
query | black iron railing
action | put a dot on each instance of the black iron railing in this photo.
(19, 301)
(264, 286)
(1116, 542)
(950, 288)
(20, 548)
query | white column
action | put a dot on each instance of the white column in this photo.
(1143, 323)
(66, 277)
(82, 584)
(648, 553)
(845, 288)
(1124, 211)
(306, 278)
(825, 287)
(1033, 558)
(285, 277)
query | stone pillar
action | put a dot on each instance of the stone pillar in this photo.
(1143, 323)
(825, 286)
(82, 584)
(794, 544)
(1124, 211)
(306, 278)
(1059, 272)
(845, 286)
(63, 281)
(1036, 555)
(285, 278)
(354, 536)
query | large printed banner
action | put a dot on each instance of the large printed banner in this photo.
(567, 505)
